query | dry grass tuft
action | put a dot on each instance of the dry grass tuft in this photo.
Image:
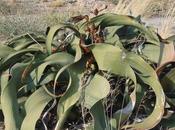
(132, 7)
(141, 7)
(167, 22)
(57, 3)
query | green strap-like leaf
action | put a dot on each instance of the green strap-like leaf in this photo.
(72, 94)
(168, 82)
(53, 30)
(159, 54)
(100, 119)
(112, 59)
(4, 79)
(23, 41)
(56, 58)
(108, 19)
(138, 63)
(5, 50)
(47, 78)
(97, 89)
(34, 107)
(10, 104)
(149, 77)
(50, 37)
(9, 101)
(14, 58)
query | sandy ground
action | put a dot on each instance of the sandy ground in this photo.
(37, 7)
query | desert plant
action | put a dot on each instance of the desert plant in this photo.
(95, 73)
